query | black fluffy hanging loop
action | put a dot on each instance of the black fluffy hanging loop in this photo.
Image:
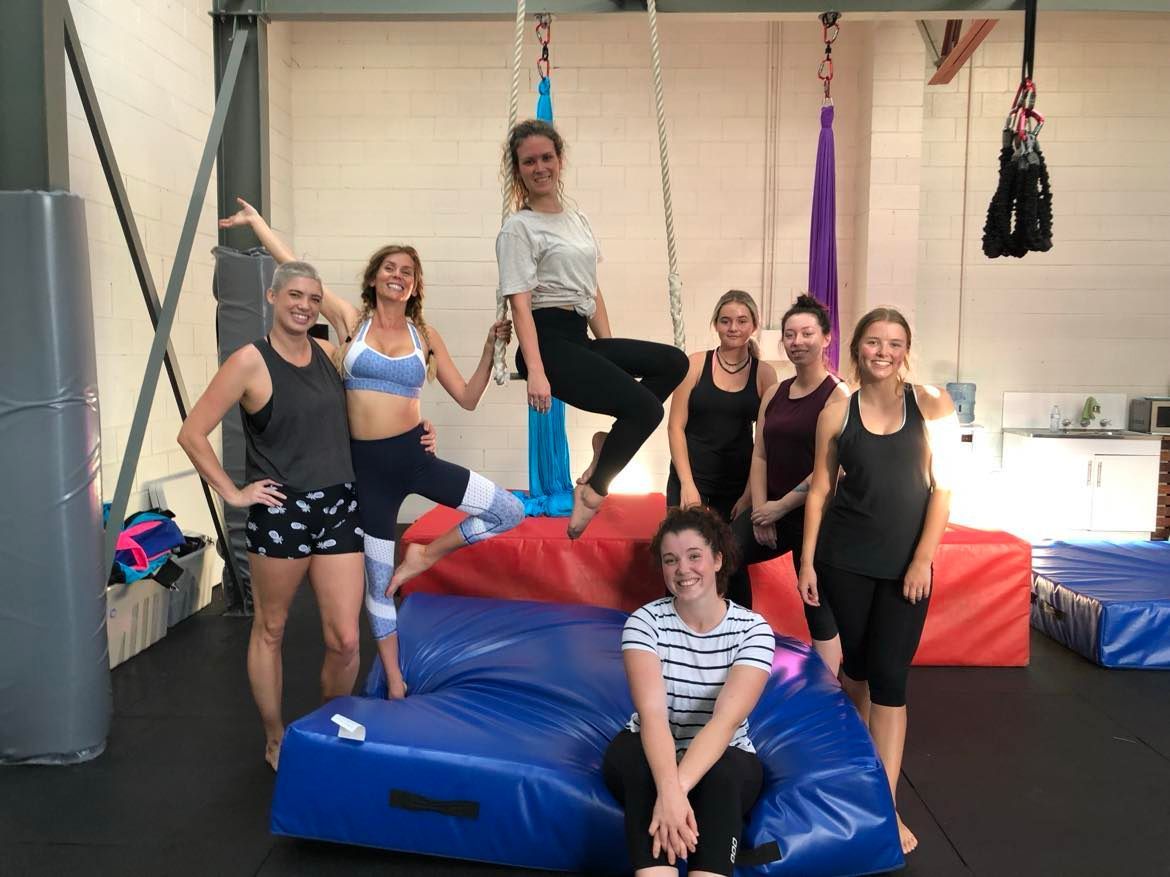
(1019, 218)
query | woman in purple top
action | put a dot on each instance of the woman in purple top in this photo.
(782, 463)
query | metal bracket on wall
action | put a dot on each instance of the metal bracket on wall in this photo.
(162, 315)
(105, 150)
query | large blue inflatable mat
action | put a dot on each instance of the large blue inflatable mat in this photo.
(495, 755)
(1109, 601)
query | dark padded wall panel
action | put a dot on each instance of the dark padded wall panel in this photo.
(54, 665)
(242, 315)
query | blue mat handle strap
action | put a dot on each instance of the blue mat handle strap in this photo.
(1045, 606)
(761, 854)
(405, 800)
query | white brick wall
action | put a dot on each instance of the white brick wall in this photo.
(390, 132)
(397, 133)
(1093, 314)
(153, 73)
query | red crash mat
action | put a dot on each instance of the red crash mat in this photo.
(978, 613)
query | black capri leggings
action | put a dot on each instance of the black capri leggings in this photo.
(600, 375)
(880, 630)
(789, 537)
(721, 800)
(720, 503)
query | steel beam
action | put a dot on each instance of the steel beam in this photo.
(105, 150)
(170, 301)
(370, 10)
(242, 168)
(34, 148)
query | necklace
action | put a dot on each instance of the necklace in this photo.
(735, 367)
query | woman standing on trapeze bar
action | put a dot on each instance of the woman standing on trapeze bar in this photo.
(389, 352)
(547, 258)
(712, 413)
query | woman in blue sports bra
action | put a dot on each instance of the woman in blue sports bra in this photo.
(391, 352)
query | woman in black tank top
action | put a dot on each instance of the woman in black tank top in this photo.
(712, 412)
(302, 506)
(868, 549)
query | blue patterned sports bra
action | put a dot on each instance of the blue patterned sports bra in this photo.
(365, 368)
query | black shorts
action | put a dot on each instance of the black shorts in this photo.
(313, 522)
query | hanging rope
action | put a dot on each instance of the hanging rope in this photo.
(673, 280)
(1023, 193)
(499, 366)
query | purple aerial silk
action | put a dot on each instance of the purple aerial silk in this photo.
(822, 241)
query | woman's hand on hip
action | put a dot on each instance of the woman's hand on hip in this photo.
(539, 393)
(262, 492)
(429, 438)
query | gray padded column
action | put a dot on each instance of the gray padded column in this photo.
(54, 668)
(242, 315)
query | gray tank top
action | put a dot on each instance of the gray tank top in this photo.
(300, 438)
(873, 522)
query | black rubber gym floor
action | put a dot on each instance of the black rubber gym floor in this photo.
(1062, 768)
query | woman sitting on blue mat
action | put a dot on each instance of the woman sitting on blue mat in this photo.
(713, 410)
(869, 552)
(684, 769)
(388, 354)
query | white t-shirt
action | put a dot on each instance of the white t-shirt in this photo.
(552, 255)
(695, 665)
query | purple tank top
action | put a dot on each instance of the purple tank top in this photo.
(790, 433)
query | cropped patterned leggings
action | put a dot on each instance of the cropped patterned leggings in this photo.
(390, 469)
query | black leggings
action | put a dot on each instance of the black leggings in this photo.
(599, 375)
(721, 800)
(880, 630)
(789, 537)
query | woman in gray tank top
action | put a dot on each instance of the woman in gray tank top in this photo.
(868, 550)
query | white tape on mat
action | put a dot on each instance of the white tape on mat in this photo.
(348, 729)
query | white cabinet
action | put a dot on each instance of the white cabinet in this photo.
(1069, 487)
(1125, 493)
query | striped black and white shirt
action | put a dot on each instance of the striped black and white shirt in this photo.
(695, 665)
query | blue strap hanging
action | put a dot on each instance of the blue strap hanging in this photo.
(550, 486)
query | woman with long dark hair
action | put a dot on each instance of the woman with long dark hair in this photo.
(782, 464)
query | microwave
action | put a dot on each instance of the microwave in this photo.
(1150, 414)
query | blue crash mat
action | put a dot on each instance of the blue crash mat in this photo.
(1109, 601)
(495, 755)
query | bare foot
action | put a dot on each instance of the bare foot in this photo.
(396, 687)
(586, 502)
(272, 753)
(414, 561)
(909, 841)
(598, 441)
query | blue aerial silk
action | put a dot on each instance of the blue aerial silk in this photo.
(550, 487)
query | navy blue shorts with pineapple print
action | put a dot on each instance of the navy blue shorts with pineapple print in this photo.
(313, 522)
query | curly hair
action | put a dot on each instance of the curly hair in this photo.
(711, 528)
(414, 305)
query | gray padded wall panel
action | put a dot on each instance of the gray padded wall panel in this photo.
(242, 315)
(54, 668)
